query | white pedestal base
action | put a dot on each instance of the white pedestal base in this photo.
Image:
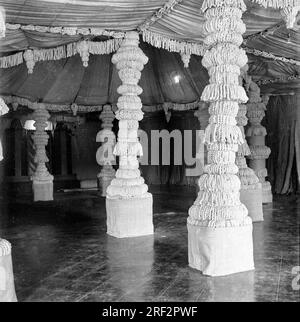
(7, 286)
(220, 251)
(88, 184)
(267, 196)
(252, 199)
(42, 190)
(129, 217)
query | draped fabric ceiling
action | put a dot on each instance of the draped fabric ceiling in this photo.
(67, 81)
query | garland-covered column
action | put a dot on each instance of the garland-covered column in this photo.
(219, 228)
(7, 287)
(104, 154)
(251, 189)
(256, 134)
(42, 179)
(128, 203)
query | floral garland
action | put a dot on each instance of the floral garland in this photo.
(277, 4)
(74, 108)
(166, 9)
(15, 101)
(277, 80)
(83, 48)
(70, 31)
(265, 54)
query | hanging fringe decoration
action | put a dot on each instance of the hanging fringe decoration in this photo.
(159, 41)
(289, 14)
(83, 48)
(104, 47)
(12, 60)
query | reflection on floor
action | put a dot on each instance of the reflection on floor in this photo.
(61, 253)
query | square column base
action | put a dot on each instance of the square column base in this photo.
(7, 286)
(267, 196)
(129, 217)
(252, 199)
(220, 251)
(42, 190)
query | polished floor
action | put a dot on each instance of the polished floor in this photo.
(61, 253)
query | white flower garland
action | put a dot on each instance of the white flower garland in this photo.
(265, 54)
(70, 31)
(277, 4)
(166, 9)
(278, 80)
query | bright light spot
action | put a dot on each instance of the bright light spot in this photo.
(29, 125)
(177, 79)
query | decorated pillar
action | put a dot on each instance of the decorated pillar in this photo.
(256, 134)
(128, 202)
(202, 115)
(42, 179)
(7, 286)
(104, 154)
(219, 228)
(251, 188)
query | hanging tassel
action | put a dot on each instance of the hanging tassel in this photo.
(29, 59)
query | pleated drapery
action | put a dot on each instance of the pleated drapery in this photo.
(283, 127)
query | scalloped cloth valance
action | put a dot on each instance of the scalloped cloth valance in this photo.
(175, 25)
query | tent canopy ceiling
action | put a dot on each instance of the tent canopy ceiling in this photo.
(182, 23)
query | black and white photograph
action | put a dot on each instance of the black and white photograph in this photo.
(149, 154)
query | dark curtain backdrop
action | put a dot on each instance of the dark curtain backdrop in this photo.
(173, 174)
(283, 125)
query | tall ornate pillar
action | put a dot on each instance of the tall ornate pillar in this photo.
(256, 134)
(7, 286)
(219, 228)
(128, 203)
(251, 189)
(202, 115)
(104, 154)
(42, 179)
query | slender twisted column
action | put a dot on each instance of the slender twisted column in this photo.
(42, 179)
(104, 154)
(256, 134)
(128, 203)
(219, 228)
